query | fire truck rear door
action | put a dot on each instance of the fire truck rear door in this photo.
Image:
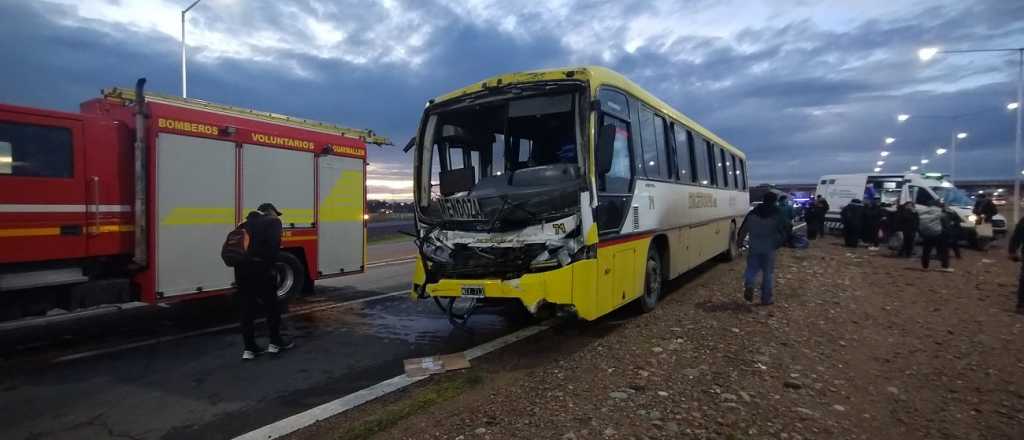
(195, 186)
(340, 223)
(42, 188)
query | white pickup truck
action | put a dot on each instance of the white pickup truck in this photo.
(895, 189)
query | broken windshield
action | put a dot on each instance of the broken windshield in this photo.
(497, 149)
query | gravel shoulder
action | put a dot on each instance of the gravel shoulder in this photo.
(858, 345)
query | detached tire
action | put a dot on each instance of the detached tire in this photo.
(652, 282)
(291, 276)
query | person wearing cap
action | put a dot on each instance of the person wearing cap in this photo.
(256, 280)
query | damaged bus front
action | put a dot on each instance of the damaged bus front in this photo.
(500, 182)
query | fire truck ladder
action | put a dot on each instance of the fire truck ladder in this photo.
(126, 96)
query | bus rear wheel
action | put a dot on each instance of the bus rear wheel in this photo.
(652, 281)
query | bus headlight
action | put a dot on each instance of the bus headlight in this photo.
(972, 218)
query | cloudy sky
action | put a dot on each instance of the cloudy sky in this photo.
(805, 88)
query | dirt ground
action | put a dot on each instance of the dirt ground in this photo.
(859, 344)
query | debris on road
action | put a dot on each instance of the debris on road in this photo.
(435, 364)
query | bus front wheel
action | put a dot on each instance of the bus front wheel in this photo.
(652, 281)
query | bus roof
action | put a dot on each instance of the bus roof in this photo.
(596, 76)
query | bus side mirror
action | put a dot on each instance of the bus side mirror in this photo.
(605, 148)
(409, 145)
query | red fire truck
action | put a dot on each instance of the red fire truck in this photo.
(130, 199)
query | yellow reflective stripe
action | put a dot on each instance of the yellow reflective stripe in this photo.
(43, 232)
(200, 216)
(345, 201)
(293, 215)
(299, 238)
(110, 228)
(29, 232)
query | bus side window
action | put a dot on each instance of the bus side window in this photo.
(684, 154)
(616, 180)
(701, 156)
(735, 172)
(724, 165)
(743, 173)
(712, 163)
(652, 139)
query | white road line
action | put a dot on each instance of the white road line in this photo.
(101, 351)
(391, 261)
(301, 420)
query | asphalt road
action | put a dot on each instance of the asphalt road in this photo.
(197, 387)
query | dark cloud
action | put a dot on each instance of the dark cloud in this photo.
(801, 99)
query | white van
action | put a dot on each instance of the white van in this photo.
(894, 189)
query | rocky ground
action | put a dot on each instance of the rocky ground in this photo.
(859, 345)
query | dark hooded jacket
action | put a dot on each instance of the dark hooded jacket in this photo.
(765, 227)
(853, 215)
(264, 236)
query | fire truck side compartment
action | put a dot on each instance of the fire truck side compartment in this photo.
(195, 185)
(341, 215)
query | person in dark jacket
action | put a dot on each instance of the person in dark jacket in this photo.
(1016, 244)
(905, 222)
(985, 209)
(816, 217)
(786, 215)
(853, 222)
(767, 232)
(872, 221)
(257, 282)
(955, 230)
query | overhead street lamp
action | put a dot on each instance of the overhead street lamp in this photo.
(878, 170)
(924, 161)
(1012, 106)
(940, 151)
(927, 53)
(902, 117)
(885, 153)
(184, 88)
(914, 168)
(889, 140)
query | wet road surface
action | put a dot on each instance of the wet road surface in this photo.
(197, 387)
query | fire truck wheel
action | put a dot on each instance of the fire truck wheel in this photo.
(290, 276)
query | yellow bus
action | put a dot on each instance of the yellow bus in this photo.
(569, 189)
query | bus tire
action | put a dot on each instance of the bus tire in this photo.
(733, 251)
(290, 274)
(653, 281)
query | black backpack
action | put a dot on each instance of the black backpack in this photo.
(235, 250)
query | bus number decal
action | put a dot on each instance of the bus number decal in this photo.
(702, 200)
(559, 228)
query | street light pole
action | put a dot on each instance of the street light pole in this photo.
(927, 53)
(184, 87)
(1016, 161)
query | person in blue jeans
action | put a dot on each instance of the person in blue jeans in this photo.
(767, 231)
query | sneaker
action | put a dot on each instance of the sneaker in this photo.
(945, 269)
(282, 346)
(250, 354)
(748, 294)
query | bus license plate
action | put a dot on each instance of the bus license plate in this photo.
(472, 291)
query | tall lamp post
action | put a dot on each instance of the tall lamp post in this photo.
(927, 53)
(184, 87)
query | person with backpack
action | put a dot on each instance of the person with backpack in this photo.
(767, 233)
(853, 222)
(933, 225)
(255, 278)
